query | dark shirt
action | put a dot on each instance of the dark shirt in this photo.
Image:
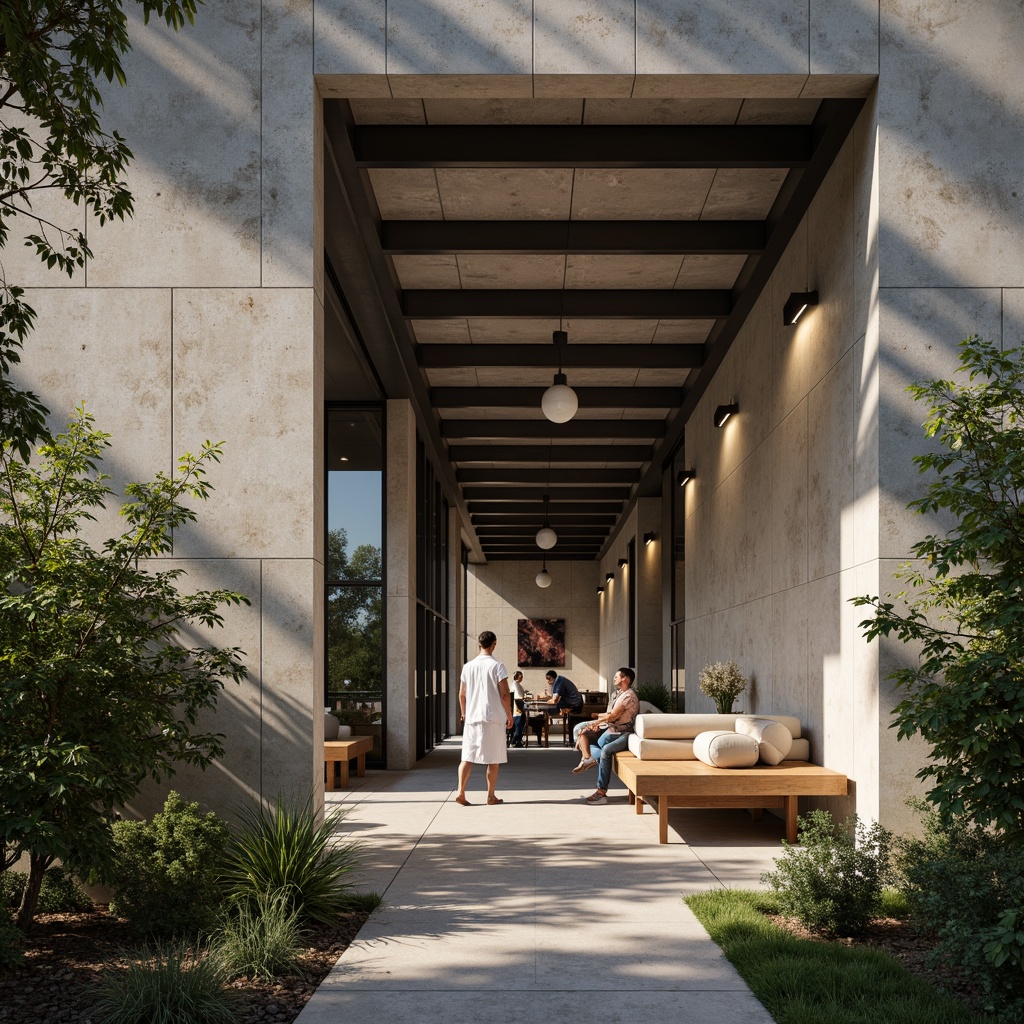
(566, 692)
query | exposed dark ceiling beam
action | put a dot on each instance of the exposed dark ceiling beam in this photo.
(530, 531)
(589, 398)
(542, 428)
(568, 556)
(574, 357)
(574, 454)
(578, 237)
(582, 145)
(537, 508)
(596, 493)
(589, 516)
(588, 303)
(562, 477)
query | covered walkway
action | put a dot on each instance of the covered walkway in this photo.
(543, 908)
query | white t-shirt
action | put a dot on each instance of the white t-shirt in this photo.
(480, 678)
(517, 689)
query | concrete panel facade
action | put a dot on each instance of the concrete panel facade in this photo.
(913, 242)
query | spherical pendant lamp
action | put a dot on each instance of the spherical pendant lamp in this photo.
(546, 538)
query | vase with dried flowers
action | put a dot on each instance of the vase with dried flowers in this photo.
(723, 683)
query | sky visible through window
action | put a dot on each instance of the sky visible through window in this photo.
(354, 502)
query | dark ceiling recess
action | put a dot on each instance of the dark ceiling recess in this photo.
(461, 245)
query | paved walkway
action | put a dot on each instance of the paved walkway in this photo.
(540, 909)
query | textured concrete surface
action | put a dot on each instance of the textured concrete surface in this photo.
(544, 904)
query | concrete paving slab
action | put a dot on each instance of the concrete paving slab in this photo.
(483, 904)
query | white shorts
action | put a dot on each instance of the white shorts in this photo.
(484, 743)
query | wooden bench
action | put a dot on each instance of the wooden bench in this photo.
(695, 784)
(342, 751)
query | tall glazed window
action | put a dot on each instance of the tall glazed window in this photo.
(354, 571)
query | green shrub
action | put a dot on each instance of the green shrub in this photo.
(965, 884)
(263, 939)
(363, 902)
(173, 986)
(833, 884)
(59, 891)
(165, 877)
(655, 693)
(12, 941)
(286, 849)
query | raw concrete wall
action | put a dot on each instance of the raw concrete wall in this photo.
(500, 593)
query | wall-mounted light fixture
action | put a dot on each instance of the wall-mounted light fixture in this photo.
(622, 562)
(684, 476)
(796, 305)
(609, 576)
(724, 413)
(543, 578)
(600, 590)
(559, 403)
(649, 538)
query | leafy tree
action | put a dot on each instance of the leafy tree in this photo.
(354, 616)
(99, 688)
(963, 608)
(53, 54)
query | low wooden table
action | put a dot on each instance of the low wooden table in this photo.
(343, 751)
(695, 784)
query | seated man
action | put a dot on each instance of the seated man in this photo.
(564, 696)
(608, 734)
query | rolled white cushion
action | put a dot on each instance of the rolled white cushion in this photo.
(774, 740)
(660, 750)
(726, 749)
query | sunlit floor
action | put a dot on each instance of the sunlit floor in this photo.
(540, 908)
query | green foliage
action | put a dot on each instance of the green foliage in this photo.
(262, 939)
(655, 693)
(833, 884)
(99, 690)
(962, 609)
(965, 884)
(363, 902)
(52, 57)
(173, 986)
(59, 892)
(287, 850)
(723, 683)
(800, 981)
(12, 942)
(164, 877)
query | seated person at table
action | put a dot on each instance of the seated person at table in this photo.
(564, 696)
(608, 734)
(519, 708)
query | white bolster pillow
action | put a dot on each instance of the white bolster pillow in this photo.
(726, 749)
(774, 740)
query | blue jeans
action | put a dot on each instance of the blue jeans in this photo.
(604, 749)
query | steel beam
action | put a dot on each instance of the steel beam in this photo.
(589, 398)
(562, 477)
(591, 429)
(574, 357)
(573, 454)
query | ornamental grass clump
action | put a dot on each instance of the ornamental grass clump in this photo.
(286, 849)
(723, 683)
(262, 939)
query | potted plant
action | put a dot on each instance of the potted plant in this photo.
(723, 683)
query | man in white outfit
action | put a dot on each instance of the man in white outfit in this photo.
(487, 714)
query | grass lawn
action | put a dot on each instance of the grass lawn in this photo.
(801, 981)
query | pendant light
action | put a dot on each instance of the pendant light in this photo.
(546, 537)
(543, 579)
(559, 403)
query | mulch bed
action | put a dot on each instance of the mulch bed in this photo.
(66, 954)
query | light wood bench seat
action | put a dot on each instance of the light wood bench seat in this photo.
(342, 751)
(695, 784)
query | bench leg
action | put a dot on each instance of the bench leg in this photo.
(790, 802)
(662, 819)
(639, 805)
(330, 777)
(632, 798)
(755, 813)
(361, 765)
(344, 773)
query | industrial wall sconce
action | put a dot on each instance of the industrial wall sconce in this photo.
(684, 476)
(600, 590)
(649, 538)
(622, 562)
(609, 576)
(724, 413)
(796, 305)
(543, 578)
(559, 403)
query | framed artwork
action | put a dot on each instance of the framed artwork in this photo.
(541, 643)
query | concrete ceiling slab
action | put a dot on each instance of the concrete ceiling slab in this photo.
(739, 193)
(758, 111)
(610, 332)
(387, 111)
(709, 271)
(468, 193)
(427, 271)
(490, 332)
(622, 271)
(510, 271)
(661, 111)
(646, 193)
(406, 194)
(441, 332)
(501, 110)
(682, 332)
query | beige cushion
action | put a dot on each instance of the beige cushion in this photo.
(774, 740)
(789, 721)
(681, 727)
(660, 750)
(800, 751)
(726, 749)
